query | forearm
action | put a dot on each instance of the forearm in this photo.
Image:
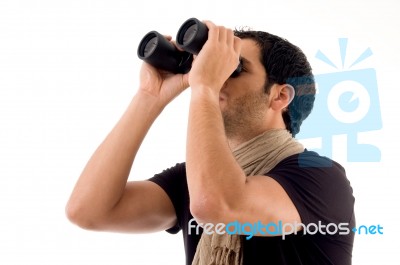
(214, 177)
(103, 180)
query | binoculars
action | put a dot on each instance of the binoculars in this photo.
(156, 50)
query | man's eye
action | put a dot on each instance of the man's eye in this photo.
(242, 66)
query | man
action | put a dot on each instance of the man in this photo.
(242, 164)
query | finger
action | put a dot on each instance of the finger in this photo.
(230, 37)
(177, 46)
(222, 32)
(212, 30)
(168, 37)
(237, 44)
(209, 24)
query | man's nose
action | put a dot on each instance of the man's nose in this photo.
(224, 85)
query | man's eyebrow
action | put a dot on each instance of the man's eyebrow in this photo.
(245, 61)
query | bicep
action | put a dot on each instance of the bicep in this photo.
(144, 207)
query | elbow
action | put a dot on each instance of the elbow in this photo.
(78, 215)
(208, 210)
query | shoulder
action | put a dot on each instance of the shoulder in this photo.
(170, 175)
(173, 181)
(310, 159)
(309, 162)
(310, 170)
(178, 168)
(317, 185)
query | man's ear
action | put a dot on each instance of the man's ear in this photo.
(284, 95)
(291, 93)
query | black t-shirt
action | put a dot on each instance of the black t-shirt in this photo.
(322, 194)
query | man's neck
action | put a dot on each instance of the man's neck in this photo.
(237, 140)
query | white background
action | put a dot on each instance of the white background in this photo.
(68, 69)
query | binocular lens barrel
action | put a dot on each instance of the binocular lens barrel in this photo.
(150, 46)
(156, 50)
(189, 34)
(192, 35)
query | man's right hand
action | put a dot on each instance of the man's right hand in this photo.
(162, 85)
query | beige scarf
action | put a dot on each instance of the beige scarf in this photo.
(256, 157)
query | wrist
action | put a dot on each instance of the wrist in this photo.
(205, 93)
(150, 104)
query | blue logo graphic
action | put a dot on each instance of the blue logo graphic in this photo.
(368, 230)
(347, 102)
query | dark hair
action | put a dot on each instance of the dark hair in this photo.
(285, 63)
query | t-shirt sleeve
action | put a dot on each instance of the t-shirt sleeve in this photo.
(172, 181)
(317, 186)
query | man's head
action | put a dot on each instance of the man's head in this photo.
(283, 63)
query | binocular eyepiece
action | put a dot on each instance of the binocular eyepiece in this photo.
(156, 50)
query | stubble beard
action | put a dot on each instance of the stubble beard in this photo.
(243, 116)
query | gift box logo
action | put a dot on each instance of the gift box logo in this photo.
(347, 102)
